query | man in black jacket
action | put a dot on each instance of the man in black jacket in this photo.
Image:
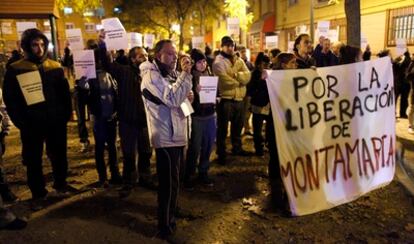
(133, 129)
(38, 101)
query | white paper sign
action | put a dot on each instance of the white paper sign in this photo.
(84, 64)
(74, 37)
(22, 26)
(233, 26)
(149, 40)
(187, 108)
(335, 130)
(290, 46)
(401, 46)
(115, 34)
(323, 28)
(31, 86)
(6, 28)
(364, 42)
(333, 35)
(208, 92)
(198, 42)
(134, 40)
(272, 42)
(301, 29)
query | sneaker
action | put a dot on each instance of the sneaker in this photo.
(8, 196)
(16, 224)
(410, 130)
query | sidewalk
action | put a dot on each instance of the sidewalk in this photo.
(405, 145)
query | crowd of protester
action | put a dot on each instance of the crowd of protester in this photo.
(140, 97)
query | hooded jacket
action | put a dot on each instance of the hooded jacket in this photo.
(163, 97)
(57, 105)
(233, 77)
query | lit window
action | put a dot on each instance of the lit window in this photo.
(90, 27)
(67, 10)
(292, 2)
(89, 13)
(69, 26)
(401, 25)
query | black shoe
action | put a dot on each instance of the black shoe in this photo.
(38, 203)
(125, 191)
(8, 196)
(115, 180)
(103, 183)
(67, 190)
(205, 180)
(242, 152)
(149, 184)
(16, 224)
(221, 160)
(188, 185)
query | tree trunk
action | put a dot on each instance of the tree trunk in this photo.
(353, 22)
(181, 43)
(202, 19)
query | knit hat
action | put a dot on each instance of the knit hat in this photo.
(226, 41)
(197, 55)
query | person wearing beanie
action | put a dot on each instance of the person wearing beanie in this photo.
(203, 127)
(233, 77)
(38, 101)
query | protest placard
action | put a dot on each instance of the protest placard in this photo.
(323, 28)
(149, 40)
(272, 42)
(134, 40)
(31, 85)
(84, 64)
(333, 35)
(208, 92)
(291, 45)
(364, 41)
(74, 37)
(233, 26)
(115, 34)
(6, 28)
(335, 130)
(198, 42)
(22, 26)
(401, 46)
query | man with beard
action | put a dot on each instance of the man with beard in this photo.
(133, 129)
(38, 101)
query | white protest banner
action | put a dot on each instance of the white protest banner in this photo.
(333, 35)
(401, 46)
(134, 40)
(31, 86)
(198, 42)
(6, 28)
(335, 130)
(208, 92)
(74, 37)
(149, 40)
(301, 29)
(22, 26)
(115, 34)
(323, 28)
(84, 63)
(272, 42)
(233, 26)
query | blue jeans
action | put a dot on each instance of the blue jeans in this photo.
(203, 133)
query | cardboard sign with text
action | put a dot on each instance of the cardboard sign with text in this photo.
(272, 42)
(74, 37)
(149, 40)
(233, 26)
(198, 42)
(134, 40)
(335, 130)
(22, 26)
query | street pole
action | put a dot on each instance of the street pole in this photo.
(311, 24)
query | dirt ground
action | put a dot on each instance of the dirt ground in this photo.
(236, 210)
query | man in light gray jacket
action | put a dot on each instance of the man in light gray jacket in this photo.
(233, 77)
(165, 91)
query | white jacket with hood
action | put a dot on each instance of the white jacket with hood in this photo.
(166, 120)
